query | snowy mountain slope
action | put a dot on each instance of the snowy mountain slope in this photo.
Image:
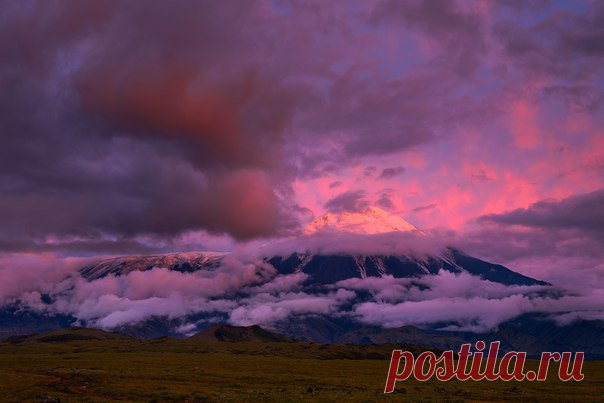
(373, 220)
(182, 262)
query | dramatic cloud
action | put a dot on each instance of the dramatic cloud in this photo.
(124, 121)
(580, 212)
(134, 132)
(557, 240)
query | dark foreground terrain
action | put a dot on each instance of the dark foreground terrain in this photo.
(93, 366)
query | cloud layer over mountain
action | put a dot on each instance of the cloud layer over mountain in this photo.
(245, 290)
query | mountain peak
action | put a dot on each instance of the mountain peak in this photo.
(372, 220)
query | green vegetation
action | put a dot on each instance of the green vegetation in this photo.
(119, 369)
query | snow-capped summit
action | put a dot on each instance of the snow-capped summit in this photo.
(123, 265)
(372, 220)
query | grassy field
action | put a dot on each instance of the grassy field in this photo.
(195, 371)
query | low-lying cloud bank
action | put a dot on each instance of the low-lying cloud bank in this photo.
(412, 243)
(246, 292)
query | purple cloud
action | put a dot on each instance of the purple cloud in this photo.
(347, 201)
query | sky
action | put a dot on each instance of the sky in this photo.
(150, 126)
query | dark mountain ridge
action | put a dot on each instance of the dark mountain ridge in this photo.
(328, 269)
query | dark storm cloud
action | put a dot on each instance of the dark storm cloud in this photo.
(348, 201)
(120, 119)
(572, 228)
(581, 212)
(506, 243)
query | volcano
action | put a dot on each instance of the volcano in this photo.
(315, 286)
(391, 247)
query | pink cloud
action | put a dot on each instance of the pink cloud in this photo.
(523, 123)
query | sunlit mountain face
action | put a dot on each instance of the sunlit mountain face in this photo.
(344, 167)
(372, 220)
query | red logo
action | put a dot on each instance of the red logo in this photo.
(448, 370)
